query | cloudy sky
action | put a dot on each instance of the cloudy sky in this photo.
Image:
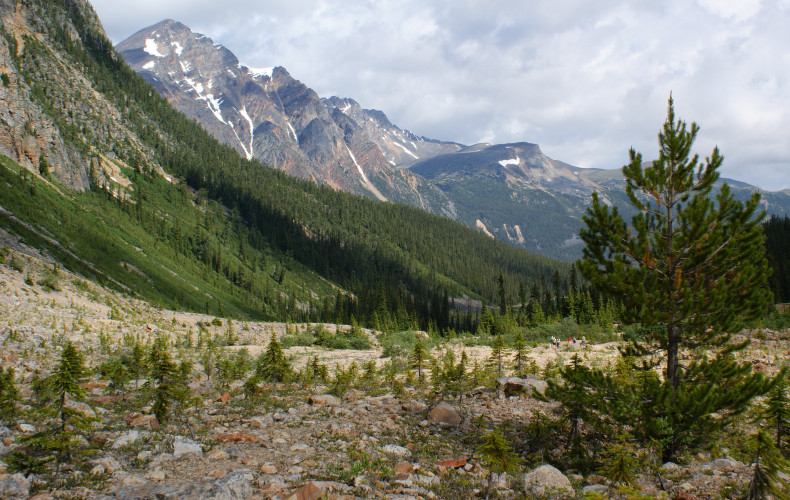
(585, 80)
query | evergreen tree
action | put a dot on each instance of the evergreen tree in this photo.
(776, 412)
(502, 296)
(9, 395)
(60, 440)
(273, 366)
(688, 263)
(417, 357)
(693, 270)
(497, 454)
(498, 354)
(520, 350)
(768, 463)
(163, 375)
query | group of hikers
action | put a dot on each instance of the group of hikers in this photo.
(557, 342)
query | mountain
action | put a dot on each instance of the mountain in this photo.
(510, 192)
(400, 147)
(515, 193)
(101, 175)
(268, 115)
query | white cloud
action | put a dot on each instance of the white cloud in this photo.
(585, 80)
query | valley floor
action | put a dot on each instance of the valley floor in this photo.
(373, 439)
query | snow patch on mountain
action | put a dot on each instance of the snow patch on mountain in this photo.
(367, 183)
(511, 161)
(149, 65)
(404, 148)
(294, 133)
(267, 72)
(357, 164)
(152, 48)
(178, 47)
(252, 131)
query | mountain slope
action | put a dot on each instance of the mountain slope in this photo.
(268, 115)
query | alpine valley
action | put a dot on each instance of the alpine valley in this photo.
(107, 179)
(511, 192)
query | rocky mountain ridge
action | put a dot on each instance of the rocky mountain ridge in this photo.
(269, 115)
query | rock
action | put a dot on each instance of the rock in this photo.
(723, 463)
(544, 480)
(26, 428)
(396, 450)
(108, 465)
(185, 446)
(232, 487)
(268, 469)
(671, 466)
(600, 489)
(453, 463)
(237, 437)
(136, 421)
(217, 454)
(309, 491)
(133, 481)
(513, 385)
(324, 400)
(156, 475)
(15, 486)
(125, 439)
(260, 422)
(443, 413)
(302, 448)
(501, 481)
(403, 467)
(80, 407)
(687, 487)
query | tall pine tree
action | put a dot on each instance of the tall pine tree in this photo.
(691, 269)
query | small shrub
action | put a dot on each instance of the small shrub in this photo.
(50, 282)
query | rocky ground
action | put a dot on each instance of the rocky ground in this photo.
(297, 441)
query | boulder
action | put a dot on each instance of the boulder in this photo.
(393, 449)
(15, 486)
(232, 487)
(183, 446)
(455, 463)
(309, 491)
(544, 480)
(513, 386)
(724, 463)
(403, 467)
(108, 465)
(599, 489)
(443, 413)
(324, 400)
(260, 422)
(125, 439)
